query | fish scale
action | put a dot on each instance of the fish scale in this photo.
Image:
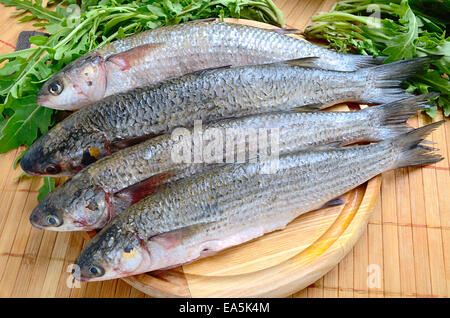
(172, 51)
(124, 119)
(293, 132)
(289, 182)
(105, 188)
(236, 203)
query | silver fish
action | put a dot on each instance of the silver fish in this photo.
(233, 204)
(172, 51)
(91, 198)
(126, 119)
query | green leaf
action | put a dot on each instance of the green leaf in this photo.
(24, 126)
(23, 54)
(444, 102)
(16, 162)
(98, 22)
(431, 111)
(38, 40)
(400, 34)
(3, 122)
(155, 8)
(46, 188)
(35, 9)
(403, 46)
(435, 80)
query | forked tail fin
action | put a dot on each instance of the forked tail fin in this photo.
(390, 118)
(412, 151)
(383, 81)
(364, 61)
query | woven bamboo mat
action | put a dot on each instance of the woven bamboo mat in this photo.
(405, 251)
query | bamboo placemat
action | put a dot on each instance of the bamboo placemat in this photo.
(405, 251)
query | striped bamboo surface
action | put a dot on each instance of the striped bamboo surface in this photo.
(405, 251)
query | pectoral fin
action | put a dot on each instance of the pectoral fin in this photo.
(132, 57)
(117, 145)
(211, 69)
(335, 202)
(307, 108)
(303, 62)
(139, 191)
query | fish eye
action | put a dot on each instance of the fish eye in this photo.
(95, 270)
(53, 220)
(55, 88)
(52, 169)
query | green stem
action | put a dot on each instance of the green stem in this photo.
(112, 36)
(327, 17)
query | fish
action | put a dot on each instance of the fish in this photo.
(171, 51)
(101, 191)
(122, 120)
(230, 205)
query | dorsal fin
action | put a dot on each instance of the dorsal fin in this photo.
(307, 108)
(203, 20)
(285, 31)
(327, 146)
(211, 69)
(303, 62)
(306, 62)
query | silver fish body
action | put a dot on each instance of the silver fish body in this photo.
(121, 120)
(104, 189)
(236, 203)
(172, 51)
(295, 131)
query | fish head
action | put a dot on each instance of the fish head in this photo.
(63, 151)
(76, 205)
(78, 84)
(41, 160)
(112, 253)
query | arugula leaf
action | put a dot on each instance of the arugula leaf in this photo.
(24, 124)
(36, 9)
(398, 33)
(434, 79)
(17, 160)
(47, 187)
(73, 32)
(403, 46)
(445, 102)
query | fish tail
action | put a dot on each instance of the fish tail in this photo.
(412, 150)
(390, 118)
(365, 61)
(384, 80)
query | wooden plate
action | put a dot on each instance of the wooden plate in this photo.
(277, 264)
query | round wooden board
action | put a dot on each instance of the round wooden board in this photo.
(277, 264)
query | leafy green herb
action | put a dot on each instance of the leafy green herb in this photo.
(393, 29)
(74, 31)
(47, 187)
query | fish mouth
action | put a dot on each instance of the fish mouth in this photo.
(42, 100)
(82, 279)
(33, 174)
(29, 164)
(85, 279)
(45, 217)
(34, 220)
